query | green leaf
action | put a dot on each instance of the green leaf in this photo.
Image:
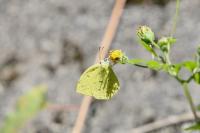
(172, 40)
(137, 61)
(154, 65)
(177, 68)
(148, 47)
(165, 67)
(27, 106)
(189, 65)
(194, 127)
(197, 77)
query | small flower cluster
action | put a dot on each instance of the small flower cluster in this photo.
(117, 56)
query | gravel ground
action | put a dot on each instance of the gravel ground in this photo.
(52, 42)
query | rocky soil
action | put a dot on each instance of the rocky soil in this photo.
(51, 42)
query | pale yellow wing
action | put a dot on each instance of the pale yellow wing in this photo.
(91, 79)
(98, 81)
(109, 87)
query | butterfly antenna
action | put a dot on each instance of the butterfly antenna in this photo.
(100, 53)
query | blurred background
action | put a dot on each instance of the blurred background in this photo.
(52, 41)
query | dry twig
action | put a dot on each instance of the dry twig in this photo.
(106, 42)
(172, 120)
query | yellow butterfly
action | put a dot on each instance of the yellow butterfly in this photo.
(99, 80)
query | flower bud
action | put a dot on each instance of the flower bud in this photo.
(145, 34)
(165, 43)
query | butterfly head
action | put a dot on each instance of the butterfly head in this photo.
(105, 61)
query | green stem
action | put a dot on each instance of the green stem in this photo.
(155, 44)
(139, 65)
(175, 17)
(167, 58)
(190, 101)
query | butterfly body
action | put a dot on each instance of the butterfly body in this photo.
(98, 81)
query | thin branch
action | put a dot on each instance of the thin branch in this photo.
(170, 121)
(106, 42)
(80, 120)
(141, 65)
(190, 100)
(175, 18)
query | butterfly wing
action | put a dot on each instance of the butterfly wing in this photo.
(98, 81)
(109, 87)
(91, 80)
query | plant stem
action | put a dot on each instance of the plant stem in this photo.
(167, 58)
(141, 65)
(106, 42)
(173, 30)
(155, 44)
(190, 100)
(137, 63)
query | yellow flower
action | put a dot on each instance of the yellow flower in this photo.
(115, 55)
